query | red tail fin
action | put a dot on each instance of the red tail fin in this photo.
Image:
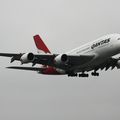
(40, 44)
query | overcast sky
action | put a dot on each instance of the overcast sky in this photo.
(64, 25)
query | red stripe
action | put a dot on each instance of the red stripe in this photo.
(50, 71)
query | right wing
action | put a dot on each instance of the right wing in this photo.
(109, 63)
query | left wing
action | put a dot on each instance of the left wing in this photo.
(62, 61)
(9, 54)
(13, 56)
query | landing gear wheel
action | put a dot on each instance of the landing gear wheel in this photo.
(95, 74)
(83, 75)
(73, 75)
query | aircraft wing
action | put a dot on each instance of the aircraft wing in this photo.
(72, 59)
(49, 59)
(26, 68)
(109, 63)
(39, 58)
(13, 56)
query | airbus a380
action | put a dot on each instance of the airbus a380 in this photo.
(92, 56)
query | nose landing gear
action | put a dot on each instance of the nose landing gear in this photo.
(78, 75)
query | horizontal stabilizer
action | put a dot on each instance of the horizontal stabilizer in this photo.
(26, 68)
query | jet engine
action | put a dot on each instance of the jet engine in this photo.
(118, 64)
(61, 59)
(26, 58)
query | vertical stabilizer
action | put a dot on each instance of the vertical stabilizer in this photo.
(40, 44)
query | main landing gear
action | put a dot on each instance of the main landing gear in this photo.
(78, 75)
(72, 75)
(83, 74)
(95, 73)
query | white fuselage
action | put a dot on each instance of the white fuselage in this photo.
(102, 48)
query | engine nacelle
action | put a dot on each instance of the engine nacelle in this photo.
(61, 59)
(26, 58)
(118, 64)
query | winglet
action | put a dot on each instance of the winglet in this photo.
(40, 44)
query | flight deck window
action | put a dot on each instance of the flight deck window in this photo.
(118, 38)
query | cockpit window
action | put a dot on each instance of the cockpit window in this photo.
(118, 38)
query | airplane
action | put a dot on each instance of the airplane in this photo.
(93, 56)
